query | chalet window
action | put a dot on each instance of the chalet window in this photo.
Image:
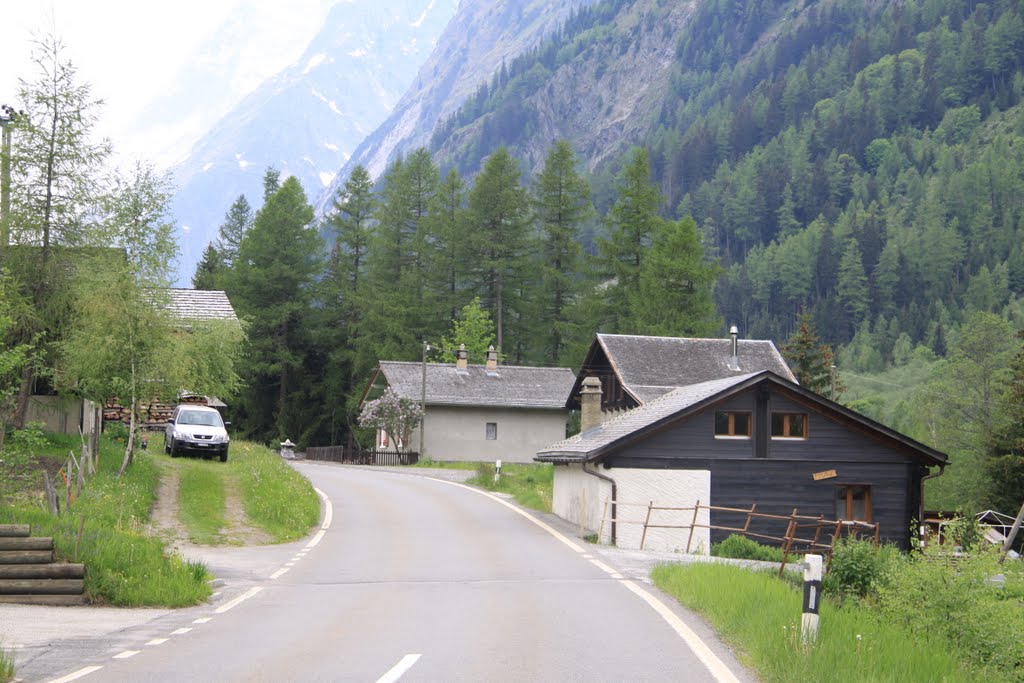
(789, 425)
(732, 425)
(383, 439)
(853, 503)
(492, 431)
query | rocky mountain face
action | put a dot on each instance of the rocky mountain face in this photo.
(481, 36)
(307, 120)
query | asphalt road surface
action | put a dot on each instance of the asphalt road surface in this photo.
(414, 579)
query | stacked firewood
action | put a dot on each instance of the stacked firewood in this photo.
(151, 413)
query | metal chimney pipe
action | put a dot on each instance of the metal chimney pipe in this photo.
(734, 333)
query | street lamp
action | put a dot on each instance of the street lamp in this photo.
(423, 397)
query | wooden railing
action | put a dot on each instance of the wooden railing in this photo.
(359, 456)
(825, 531)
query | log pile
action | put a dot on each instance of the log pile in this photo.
(153, 414)
(29, 575)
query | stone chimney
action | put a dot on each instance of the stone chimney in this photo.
(492, 360)
(590, 404)
(461, 364)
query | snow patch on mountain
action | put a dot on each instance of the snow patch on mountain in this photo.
(314, 61)
(326, 178)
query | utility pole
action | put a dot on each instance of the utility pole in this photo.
(423, 397)
(7, 117)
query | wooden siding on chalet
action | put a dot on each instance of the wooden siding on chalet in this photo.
(782, 479)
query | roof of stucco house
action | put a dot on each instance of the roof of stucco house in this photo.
(649, 367)
(508, 386)
(632, 425)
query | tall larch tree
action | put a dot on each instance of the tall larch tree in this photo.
(271, 285)
(561, 207)
(451, 231)
(631, 223)
(674, 294)
(56, 183)
(499, 211)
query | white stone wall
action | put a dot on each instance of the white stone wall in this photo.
(578, 495)
(460, 433)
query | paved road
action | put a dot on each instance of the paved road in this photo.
(411, 578)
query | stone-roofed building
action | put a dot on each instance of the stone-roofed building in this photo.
(198, 304)
(635, 369)
(479, 412)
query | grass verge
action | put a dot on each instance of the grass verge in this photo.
(277, 498)
(105, 530)
(201, 501)
(760, 617)
(6, 666)
(531, 485)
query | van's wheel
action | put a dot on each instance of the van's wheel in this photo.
(224, 455)
(174, 449)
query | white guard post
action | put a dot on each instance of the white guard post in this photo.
(497, 471)
(812, 598)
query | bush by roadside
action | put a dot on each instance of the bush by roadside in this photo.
(530, 485)
(932, 615)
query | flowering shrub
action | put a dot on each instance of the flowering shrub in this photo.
(395, 415)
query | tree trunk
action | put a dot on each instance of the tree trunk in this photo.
(28, 375)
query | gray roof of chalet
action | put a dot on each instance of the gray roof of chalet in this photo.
(510, 387)
(634, 424)
(580, 446)
(199, 304)
(651, 366)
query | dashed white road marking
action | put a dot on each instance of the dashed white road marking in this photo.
(398, 670)
(201, 620)
(76, 674)
(181, 631)
(329, 512)
(239, 600)
(158, 641)
(715, 666)
(280, 572)
(126, 654)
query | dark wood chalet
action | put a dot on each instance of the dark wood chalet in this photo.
(764, 440)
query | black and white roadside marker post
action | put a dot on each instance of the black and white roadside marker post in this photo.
(812, 598)
(497, 471)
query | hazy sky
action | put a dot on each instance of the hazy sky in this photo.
(135, 53)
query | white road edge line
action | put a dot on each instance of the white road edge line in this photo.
(126, 654)
(602, 566)
(398, 670)
(710, 660)
(329, 513)
(237, 601)
(715, 665)
(77, 674)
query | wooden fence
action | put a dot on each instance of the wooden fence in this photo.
(825, 531)
(359, 456)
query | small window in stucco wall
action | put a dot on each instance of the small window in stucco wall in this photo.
(492, 431)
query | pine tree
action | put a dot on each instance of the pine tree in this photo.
(561, 204)
(209, 270)
(852, 287)
(236, 223)
(631, 222)
(451, 231)
(1006, 466)
(811, 361)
